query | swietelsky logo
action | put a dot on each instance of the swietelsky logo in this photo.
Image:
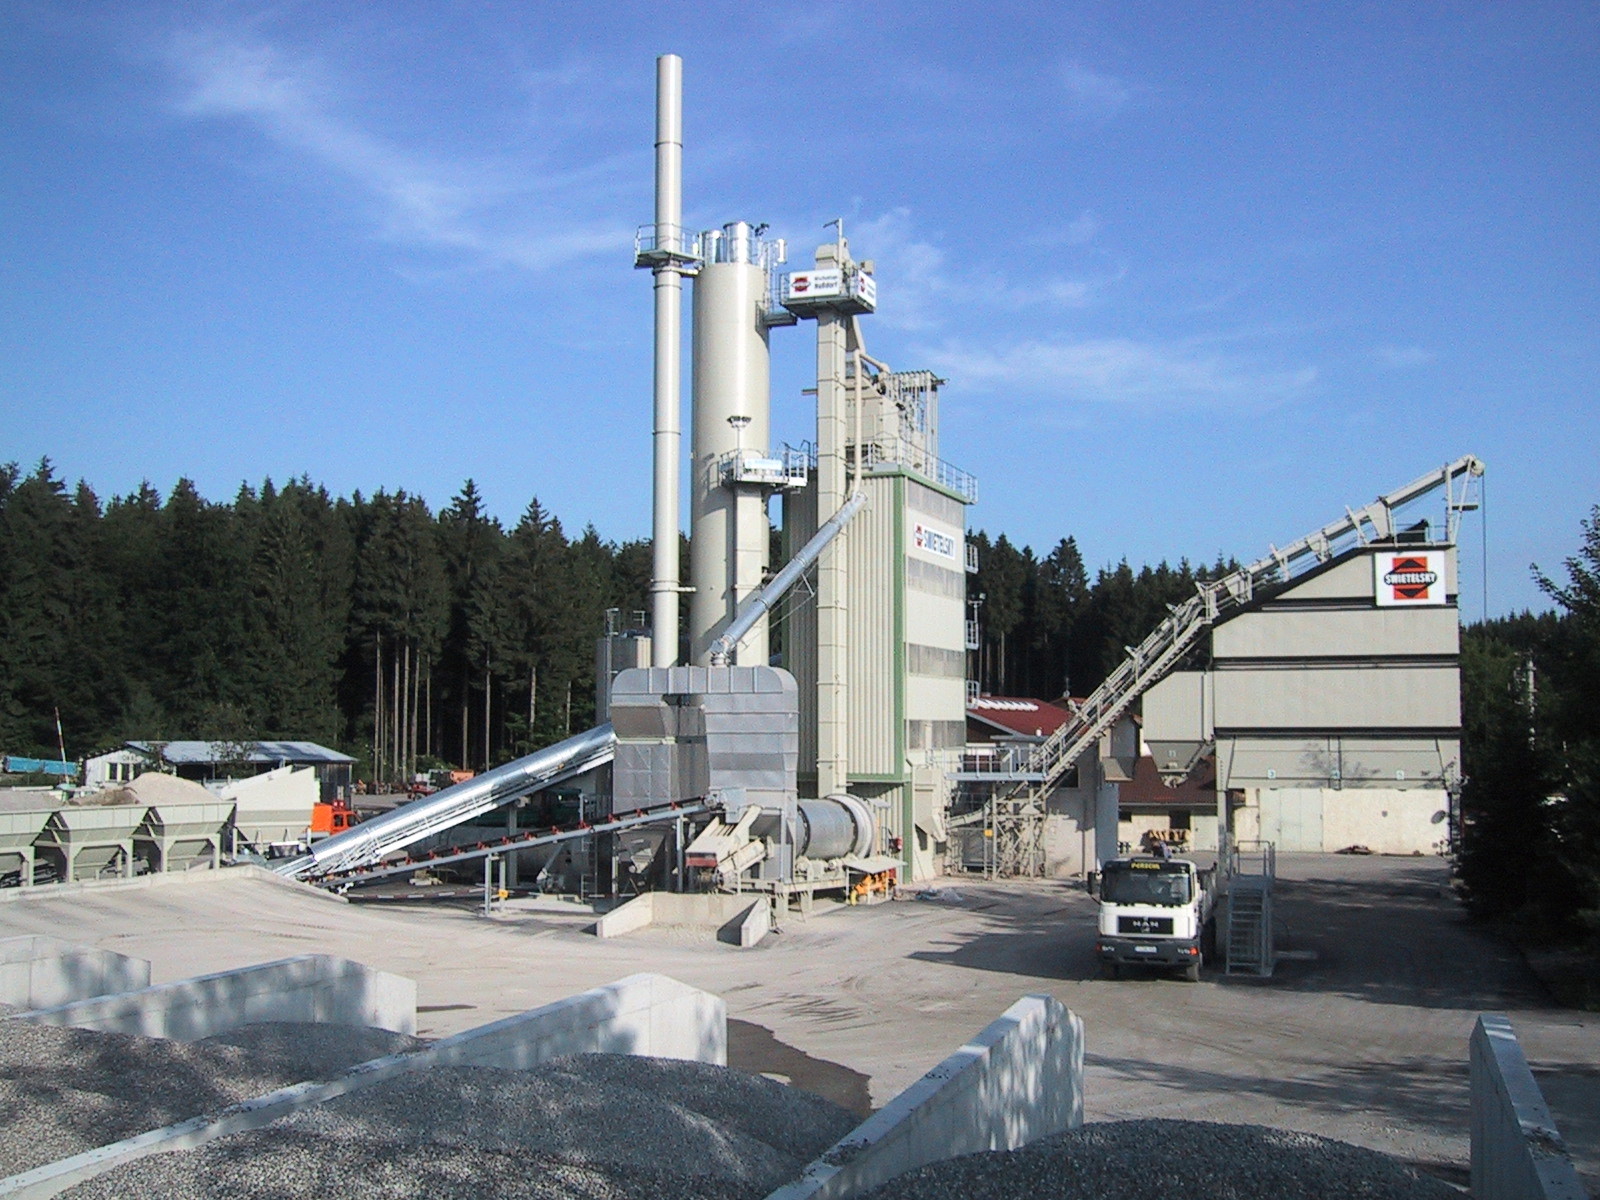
(1411, 577)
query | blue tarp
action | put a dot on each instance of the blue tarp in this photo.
(40, 766)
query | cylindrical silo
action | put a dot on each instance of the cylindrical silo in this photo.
(731, 414)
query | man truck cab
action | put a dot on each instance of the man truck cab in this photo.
(1154, 912)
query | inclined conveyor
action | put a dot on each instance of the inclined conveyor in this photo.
(376, 839)
(525, 840)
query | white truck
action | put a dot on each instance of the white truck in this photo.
(1154, 912)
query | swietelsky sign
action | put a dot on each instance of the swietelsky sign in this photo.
(1409, 578)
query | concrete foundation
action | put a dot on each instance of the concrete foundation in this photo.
(726, 914)
(44, 972)
(311, 987)
(1019, 1080)
(1517, 1154)
(642, 1014)
(181, 879)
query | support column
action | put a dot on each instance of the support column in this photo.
(1107, 799)
(832, 599)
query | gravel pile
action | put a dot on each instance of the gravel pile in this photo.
(1134, 1160)
(297, 1050)
(64, 1091)
(593, 1127)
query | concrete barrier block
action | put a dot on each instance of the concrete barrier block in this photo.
(1019, 1080)
(642, 1014)
(718, 911)
(1517, 1152)
(44, 972)
(311, 987)
(635, 914)
(750, 926)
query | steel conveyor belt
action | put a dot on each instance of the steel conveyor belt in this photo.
(376, 839)
(526, 840)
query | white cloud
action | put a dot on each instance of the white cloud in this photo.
(919, 289)
(1093, 95)
(1083, 229)
(1119, 371)
(411, 197)
(1400, 357)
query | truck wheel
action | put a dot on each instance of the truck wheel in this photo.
(1111, 970)
(1192, 971)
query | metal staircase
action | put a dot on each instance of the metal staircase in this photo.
(1249, 929)
(1015, 820)
(1252, 867)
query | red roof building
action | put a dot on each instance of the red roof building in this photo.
(991, 718)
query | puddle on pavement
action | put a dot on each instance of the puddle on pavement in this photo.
(753, 1048)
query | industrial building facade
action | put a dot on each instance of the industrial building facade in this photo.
(906, 562)
(1334, 706)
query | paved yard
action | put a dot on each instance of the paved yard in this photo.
(1362, 1036)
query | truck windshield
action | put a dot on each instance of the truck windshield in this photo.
(1145, 883)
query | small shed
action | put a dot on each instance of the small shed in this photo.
(206, 761)
(122, 765)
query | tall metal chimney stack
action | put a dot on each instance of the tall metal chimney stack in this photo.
(670, 252)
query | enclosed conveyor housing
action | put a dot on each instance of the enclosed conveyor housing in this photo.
(376, 839)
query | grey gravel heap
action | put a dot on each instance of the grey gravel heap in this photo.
(299, 1050)
(593, 1127)
(1195, 1160)
(64, 1091)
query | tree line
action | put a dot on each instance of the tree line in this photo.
(1047, 630)
(405, 637)
(1529, 850)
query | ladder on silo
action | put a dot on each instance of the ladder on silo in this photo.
(1015, 820)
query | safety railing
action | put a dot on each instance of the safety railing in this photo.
(895, 452)
(667, 245)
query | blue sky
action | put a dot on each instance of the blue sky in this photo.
(1199, 276)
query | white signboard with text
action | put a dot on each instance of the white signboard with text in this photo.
(1409, 578)
(938, 542)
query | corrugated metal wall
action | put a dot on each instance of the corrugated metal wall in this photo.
(907, 651)
(797, 619)
(876, 620)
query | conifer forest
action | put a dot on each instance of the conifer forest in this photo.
(405, 637)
